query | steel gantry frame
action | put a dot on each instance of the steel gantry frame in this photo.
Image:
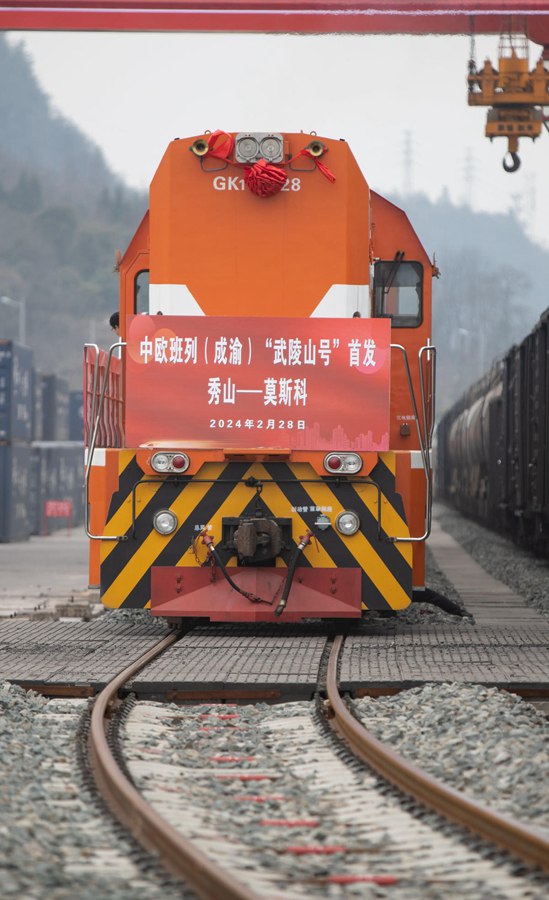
(509, 116)
(282, 16)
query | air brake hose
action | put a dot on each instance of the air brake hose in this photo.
(303, 541)
(208, 541)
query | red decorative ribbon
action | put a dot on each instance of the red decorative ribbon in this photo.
(264, 179)
(220, 148)
(320, 166)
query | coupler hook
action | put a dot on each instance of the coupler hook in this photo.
(303, 541)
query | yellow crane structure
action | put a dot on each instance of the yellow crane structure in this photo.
(517, 96)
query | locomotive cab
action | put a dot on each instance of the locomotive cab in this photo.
(268, 455)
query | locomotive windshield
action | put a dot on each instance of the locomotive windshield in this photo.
(398, 292)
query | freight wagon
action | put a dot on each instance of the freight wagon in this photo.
(493, 444)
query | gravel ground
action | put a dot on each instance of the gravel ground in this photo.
(525, 573)
(487, 743)
(260, 787)
(55, 844)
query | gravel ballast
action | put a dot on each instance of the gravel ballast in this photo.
(264, 786)
(487, 743)
(55, 842)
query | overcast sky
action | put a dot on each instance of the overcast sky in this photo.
(133, 93)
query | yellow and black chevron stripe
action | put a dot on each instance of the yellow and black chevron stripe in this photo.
(289, 490)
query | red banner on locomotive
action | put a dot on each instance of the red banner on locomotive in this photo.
(305, 384)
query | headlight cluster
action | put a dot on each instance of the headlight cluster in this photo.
(170, 462)
(249, 147)
(343, 463)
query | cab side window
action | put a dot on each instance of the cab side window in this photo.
(398, 291)
(141, 292)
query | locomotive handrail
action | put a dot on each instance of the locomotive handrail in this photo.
(424, 439)
(91, 449)
(429, 427)
(95, 377)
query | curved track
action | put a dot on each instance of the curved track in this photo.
(180, 856)
(523, 842)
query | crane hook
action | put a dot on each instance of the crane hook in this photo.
(514, 164)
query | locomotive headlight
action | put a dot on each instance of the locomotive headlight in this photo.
(353, 463)
(170, 462)
(164, 521)
(251, 146)
(247, 147)
(347, 522)
(160, 462)
(271, 148)
(343, 463)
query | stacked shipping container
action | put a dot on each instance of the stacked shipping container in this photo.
(76, 416)
(57, 473)
(38, 462)
(55, 409)
(15, 437)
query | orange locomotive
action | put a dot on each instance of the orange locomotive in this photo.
(259, 446)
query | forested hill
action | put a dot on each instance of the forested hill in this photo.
(41, 141)
(63, 215)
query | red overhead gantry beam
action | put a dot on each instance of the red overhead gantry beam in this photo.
(283, 16)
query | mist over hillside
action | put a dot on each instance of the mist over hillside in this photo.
(63, 215)
(493, 286)
(41, 141)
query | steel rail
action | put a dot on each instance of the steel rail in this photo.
(528, 844)
(177, 854)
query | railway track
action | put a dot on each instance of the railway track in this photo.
(183, 856)
(180, 856)
(525, 843)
